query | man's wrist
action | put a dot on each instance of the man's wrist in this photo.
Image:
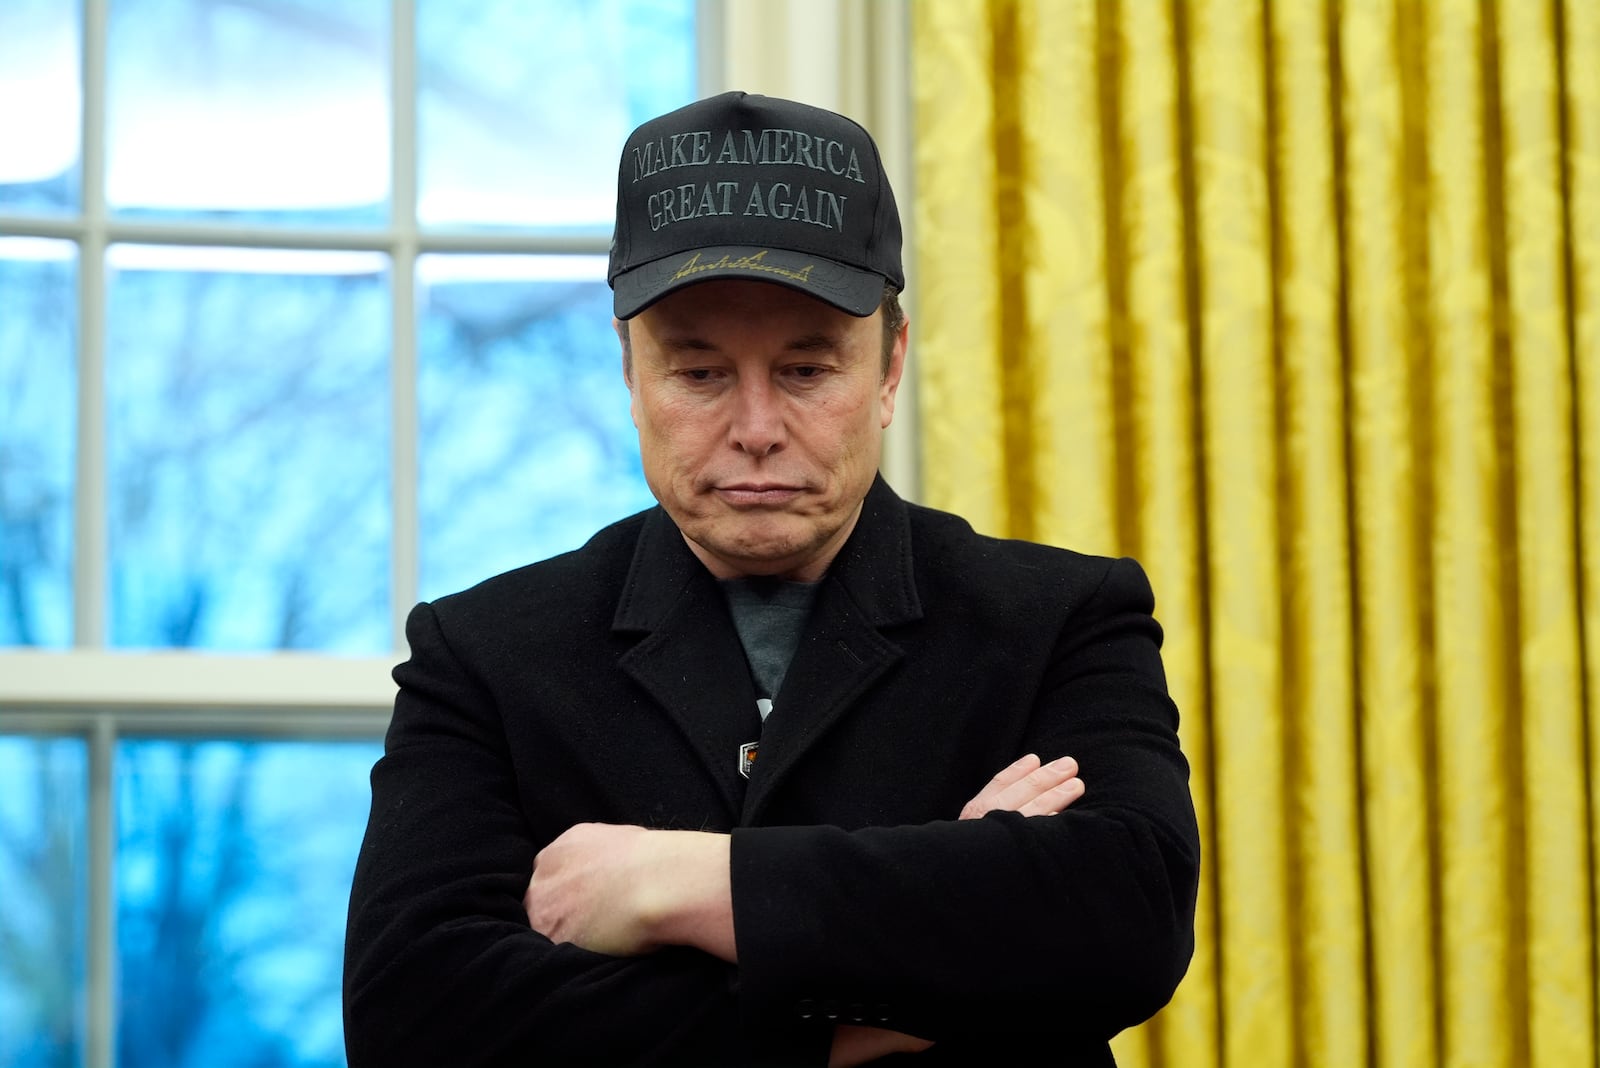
(687, 898)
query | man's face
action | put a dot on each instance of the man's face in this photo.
(761, 414)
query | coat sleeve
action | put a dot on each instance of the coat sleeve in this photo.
(441, 966)
(1076, 925)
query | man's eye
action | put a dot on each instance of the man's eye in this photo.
(700, 374)
(807, 371)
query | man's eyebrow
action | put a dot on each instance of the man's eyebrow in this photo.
(813, 343)
(817, 342)
(687, 343)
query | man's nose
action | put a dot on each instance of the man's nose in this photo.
(757, 427)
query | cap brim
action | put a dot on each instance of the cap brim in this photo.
(850, 289)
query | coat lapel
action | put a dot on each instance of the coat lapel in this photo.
(690, 662)
(842, 653)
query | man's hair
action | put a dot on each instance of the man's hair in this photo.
(894, 317)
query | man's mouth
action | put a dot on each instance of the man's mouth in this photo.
(757, 494)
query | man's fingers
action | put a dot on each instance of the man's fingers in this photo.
(1028, 787)
(987, 798)
(1055, 799)
(1036, 784)
(854, 1045)
(1011, 774)
(1023, 765)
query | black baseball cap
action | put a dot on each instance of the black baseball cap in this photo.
(746, 186)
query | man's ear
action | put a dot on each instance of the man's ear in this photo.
(897, 368)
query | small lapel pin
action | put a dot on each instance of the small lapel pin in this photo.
(747, 757)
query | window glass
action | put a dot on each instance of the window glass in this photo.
(273, 111)
(41, 105)
(521, 106)
(527, 445)
(234, 861)
(248, 449)
(38, 417)
(44, 793)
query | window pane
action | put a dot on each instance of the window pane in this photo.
(41, 105)
(522, 108)
(269, 111)
(248, 449)
(234, 862)
(527, 445)
(44, 794)
(38, 415)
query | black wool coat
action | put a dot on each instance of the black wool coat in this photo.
(608, 685)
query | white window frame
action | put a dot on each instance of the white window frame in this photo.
(849, 55)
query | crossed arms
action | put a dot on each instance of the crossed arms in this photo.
(625, 890)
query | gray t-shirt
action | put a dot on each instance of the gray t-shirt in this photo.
(769, 615)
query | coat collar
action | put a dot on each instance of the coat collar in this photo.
(874, 566)
(692, 664)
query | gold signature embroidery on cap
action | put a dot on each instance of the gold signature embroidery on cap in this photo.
(693, 266)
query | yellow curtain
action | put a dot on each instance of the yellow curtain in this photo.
(1299, 303)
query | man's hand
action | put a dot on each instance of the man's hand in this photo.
(1027, 787)
(625, 890)
(853, 1045)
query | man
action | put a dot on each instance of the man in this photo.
(786, 770)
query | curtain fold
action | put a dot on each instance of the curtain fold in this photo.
(1385, 259)
(1580, 127)
(1299, 304)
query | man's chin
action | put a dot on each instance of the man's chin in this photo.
(766, 552)
(765, 559)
